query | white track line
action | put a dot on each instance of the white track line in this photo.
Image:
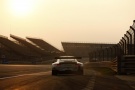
(39, 73)
(90, 85)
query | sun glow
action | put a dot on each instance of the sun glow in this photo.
(21, 7)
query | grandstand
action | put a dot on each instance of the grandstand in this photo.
(43, 44)
(23, 51)
(83, 49)
(16, 48)
(29, 45)
(8, 54)
(4, 51)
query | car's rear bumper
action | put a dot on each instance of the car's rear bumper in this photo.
(68, 71)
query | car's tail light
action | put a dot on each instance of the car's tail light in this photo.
(78, 64)
(57, 64)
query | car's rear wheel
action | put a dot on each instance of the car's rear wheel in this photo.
(80, 72)
(54, 72)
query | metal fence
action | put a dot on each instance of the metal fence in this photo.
(122, 55)
(126, 46)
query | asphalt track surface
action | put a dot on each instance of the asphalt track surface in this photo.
(38, 77)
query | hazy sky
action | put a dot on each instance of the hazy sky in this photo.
(67, 20)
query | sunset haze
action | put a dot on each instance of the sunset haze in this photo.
(54, 21)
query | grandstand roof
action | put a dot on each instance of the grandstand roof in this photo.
(18, 49)
(43, 44)
(82, 49)
(28, 44)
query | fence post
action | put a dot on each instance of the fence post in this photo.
(89, 57)
(103, 55)
(99, 55)
(130, 43)
(107, 54)
(122, 42)
(127, 49)
(95, 55)
(133, 39)
(111, 53)
(124, 45)
(116, 50)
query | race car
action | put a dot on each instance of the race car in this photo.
(67, 65)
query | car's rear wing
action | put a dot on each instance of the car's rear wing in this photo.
(68, 57)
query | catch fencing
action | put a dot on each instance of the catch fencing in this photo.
(122, 55)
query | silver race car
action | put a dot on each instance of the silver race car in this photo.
(66, 65)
